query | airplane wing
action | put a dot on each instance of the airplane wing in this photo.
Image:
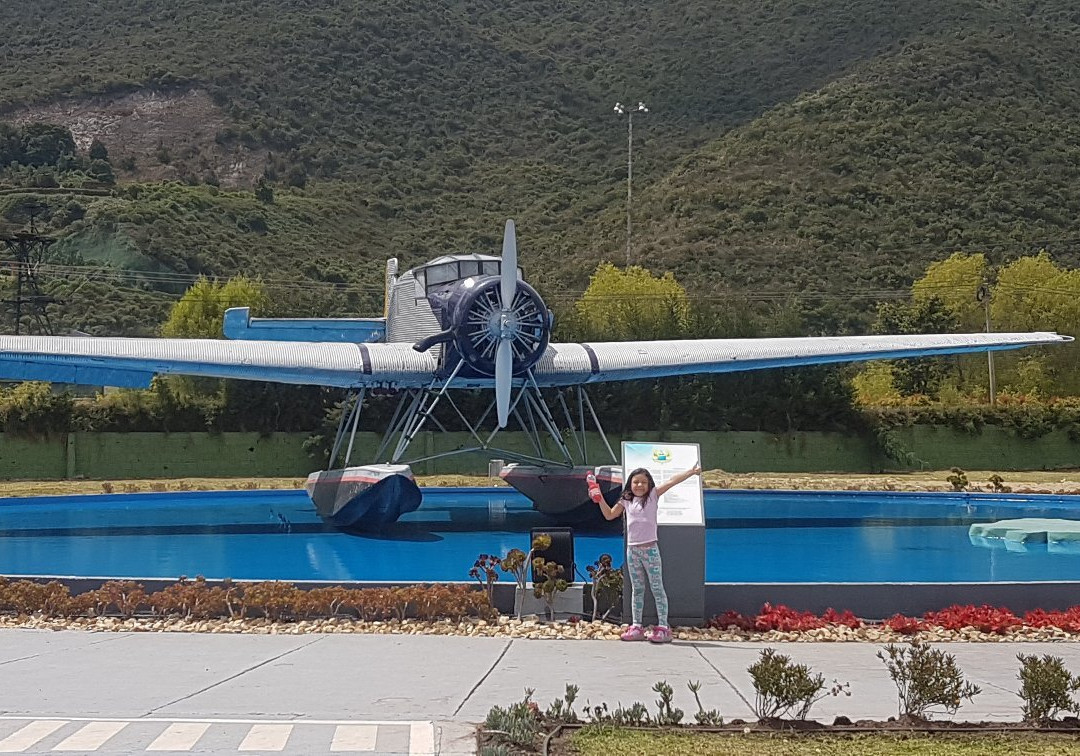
(133, 362)
(566, 364)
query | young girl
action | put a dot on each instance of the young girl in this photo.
(639, 503)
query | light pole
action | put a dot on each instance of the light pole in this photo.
(983, 295)
(628, 111)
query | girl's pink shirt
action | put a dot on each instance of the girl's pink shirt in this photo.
(641, 519)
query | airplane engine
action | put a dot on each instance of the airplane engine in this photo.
(479, 322)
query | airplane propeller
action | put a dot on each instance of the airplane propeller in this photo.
(504, 355)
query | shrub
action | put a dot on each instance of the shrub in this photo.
(905, 625)
(270, 598)
(517, 563)
(125, 596)
(666, 714)
(561, 710)
(985, 619)
(710, 718)
(519, 722)
(958, 479)
(1069, 620)
(845, 618)
(782, 687)
(190, 599)
(731, 618)
(552, 583)
(926, 678)
(1046, 688)
(785, 619)
(484, 572)
(607, 584)
(634, 715)
(49, 599)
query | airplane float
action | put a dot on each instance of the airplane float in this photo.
(460, 322)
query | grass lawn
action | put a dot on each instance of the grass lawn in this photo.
(608, 742)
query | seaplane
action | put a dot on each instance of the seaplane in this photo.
(461, 322)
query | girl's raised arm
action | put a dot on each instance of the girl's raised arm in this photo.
(667, 485)
(610, 513)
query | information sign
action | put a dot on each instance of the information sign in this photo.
(683, 504)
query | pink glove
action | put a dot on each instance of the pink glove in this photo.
(594, 489)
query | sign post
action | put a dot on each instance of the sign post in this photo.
(680, 530)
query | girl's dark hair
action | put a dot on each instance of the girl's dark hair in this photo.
(627, 494)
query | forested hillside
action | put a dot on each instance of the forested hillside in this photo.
(824, 151)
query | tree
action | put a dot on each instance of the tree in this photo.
(1034, 294)
(955, 283)
(44, 144)
(101, 170)
(200, 313)
(931, 315)
(630, 304)
(249, 405)
(98, 151)
(264, 191)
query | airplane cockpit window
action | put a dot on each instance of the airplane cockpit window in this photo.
(441, 274)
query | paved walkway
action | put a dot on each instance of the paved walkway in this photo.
(387, 694)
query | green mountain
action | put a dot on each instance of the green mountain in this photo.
(824, 150)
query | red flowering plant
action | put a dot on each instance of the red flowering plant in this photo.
(1068, 620)
(785, 619)
(985, 618)
(898, 623)
(845, 618)
(731, 618)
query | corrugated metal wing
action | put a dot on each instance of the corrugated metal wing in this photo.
(89, 360)
(567, 364)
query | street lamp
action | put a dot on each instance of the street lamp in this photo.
(628, 111)
(983, 295)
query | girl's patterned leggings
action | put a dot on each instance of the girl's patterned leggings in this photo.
(644, 566)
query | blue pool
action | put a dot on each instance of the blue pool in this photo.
(752, 537)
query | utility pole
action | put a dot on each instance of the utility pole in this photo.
(28, 251)
(629, 111)
(983, 295)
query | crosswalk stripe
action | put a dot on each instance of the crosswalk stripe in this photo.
(354, 738)
(421, 739)
(27, 736)
(179, 736)
(91, 737)
(270, 737)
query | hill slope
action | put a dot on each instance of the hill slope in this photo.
(791, 146)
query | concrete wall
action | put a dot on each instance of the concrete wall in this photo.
(161, 455)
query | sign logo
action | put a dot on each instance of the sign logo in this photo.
(660, 455)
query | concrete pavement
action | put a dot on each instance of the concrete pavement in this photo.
(306, 694)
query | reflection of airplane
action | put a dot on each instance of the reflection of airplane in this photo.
(458, 322)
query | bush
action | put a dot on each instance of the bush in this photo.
(710, 718)
(731, 618)
(926, 678)
(519, 722)
(198, 599)
(785, 619)
(782, 687)
(666, 714)
(985, 619)
(1046, 688)
(561, 710)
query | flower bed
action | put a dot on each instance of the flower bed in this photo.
(270, 606)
